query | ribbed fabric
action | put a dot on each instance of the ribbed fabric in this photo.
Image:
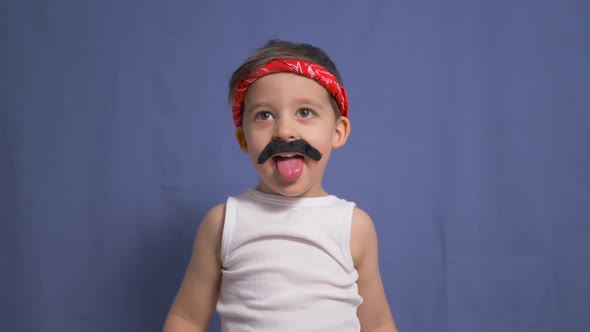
(287, 265)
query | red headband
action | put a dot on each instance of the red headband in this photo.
(301, 67)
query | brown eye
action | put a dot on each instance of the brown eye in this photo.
(305, 112)
(264, 115)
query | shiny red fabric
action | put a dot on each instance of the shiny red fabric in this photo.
(301, 67)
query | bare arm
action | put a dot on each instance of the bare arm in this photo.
(193, 306)
(374, 313)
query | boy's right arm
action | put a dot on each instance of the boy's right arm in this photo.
(195, 302)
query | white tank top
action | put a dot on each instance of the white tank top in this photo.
(287, 266)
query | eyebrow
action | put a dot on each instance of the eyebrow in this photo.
(309, 102)
(264, 104)
(256, 105)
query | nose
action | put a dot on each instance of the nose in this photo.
(285, 130)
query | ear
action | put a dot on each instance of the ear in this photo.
(241, 139)
(341, 132)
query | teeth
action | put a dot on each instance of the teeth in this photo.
(288, 155)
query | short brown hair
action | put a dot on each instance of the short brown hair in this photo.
(277, 49)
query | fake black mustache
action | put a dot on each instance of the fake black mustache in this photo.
(300, 145)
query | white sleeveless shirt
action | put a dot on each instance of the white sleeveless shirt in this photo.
(287, 266)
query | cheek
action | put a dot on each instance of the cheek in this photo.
(256, 143)
(260, 144)
(321, 142)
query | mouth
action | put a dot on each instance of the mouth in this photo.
(289, 164)
(288, 155)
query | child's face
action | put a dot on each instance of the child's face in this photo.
(287, 107)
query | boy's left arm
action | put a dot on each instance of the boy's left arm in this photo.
(374, 313)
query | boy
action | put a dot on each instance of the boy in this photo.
(286, 255)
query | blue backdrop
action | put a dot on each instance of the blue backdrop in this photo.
(469, 148)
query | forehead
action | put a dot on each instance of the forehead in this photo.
(281, 86)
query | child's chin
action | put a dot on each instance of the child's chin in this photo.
(294, 189)
(289, 189)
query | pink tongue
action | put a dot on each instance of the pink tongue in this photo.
(290, 168)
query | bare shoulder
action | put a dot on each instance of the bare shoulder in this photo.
(361, 218)
(362, 234)
(209, 236)
(211, 228)
(213, 220)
